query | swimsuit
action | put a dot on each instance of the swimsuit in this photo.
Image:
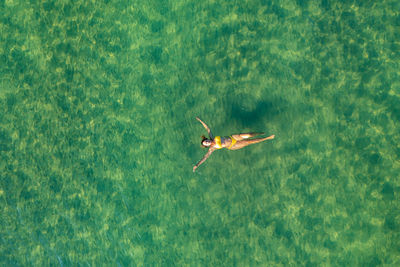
(218, 144)
(233, 141)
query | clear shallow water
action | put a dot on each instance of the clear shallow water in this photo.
(98, 135)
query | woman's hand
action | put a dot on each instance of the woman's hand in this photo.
(207, 128)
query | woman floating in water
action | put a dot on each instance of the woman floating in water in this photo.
(233, 142)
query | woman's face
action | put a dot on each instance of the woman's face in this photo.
(206, 142)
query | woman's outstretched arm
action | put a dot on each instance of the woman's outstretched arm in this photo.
(210, 150)
(205, 126)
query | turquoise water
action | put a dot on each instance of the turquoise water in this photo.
(98, 135)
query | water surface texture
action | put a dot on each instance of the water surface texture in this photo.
(98, 135)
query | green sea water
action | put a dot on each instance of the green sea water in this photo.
(98, 135)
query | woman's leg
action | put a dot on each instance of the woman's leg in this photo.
(242, 143)
(242, 136)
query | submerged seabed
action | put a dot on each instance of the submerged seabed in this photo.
(98, 135)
